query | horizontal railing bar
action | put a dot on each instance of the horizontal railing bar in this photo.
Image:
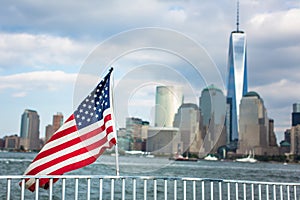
(146, 178)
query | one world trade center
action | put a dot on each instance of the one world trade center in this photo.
(237, 83)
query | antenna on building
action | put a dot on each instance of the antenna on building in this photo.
(237, 15)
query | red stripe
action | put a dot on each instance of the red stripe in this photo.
(64, 132)
(72, 142)
(44, 182)
(68, 156)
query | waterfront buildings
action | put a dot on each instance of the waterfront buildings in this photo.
(212, 105)
(187, 119)
(163, 141)
(254, 124)
(136, 133)
(293, 135)
(11, 142)
(168, 100)
(30, 124)
(295, 141)
(237, 83)
(57, 122)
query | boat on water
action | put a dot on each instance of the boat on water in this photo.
(210, 157)
(250, 158)
(181, 158)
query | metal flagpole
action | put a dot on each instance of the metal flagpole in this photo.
(117, 159)
(116, 146)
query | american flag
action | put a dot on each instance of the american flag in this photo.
(80, 140)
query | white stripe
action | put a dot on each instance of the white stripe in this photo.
(68, 137)
(68, 162)
(75, 147)
(71, 136)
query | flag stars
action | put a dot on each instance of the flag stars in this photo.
(92, 108)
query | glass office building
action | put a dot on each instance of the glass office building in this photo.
(30, 124)
(237, 84)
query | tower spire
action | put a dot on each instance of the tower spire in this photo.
(237, 15)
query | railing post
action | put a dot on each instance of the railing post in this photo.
(145, 189)
(166, 189)
(8, 189)
(252, 191)
(267, 191)
(155, 189)
(134, 189)
(76, 189)
(63, 190)
(88, 192)
(211, 190)
(184, 190)
(228, 191)
(175, 189)
(123, 188)
(295, 192)
(100, 188)
(245, 194)
(274, 192)
(112, 189)
(37, 183)
(23, 189)
(50, 188)
(220, 190)
(236, 191)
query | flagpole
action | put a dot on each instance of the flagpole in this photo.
(116, 146)
(117, 160)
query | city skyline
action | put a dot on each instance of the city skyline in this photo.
(47, 48)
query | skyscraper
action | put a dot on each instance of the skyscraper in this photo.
(187, 119)
(212, 104)
(254, 125)
(237, 83)
(30, 125)
(168, 100)
(296, 114)
(57, 121)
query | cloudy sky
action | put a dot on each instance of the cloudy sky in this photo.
(44, 46)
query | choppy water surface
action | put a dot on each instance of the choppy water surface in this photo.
(16, 163)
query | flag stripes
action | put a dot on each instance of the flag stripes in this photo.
(79, 141)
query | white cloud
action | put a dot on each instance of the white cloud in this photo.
(176, 15)
(273, 28)
(40, 51)
(19, 94)
(46, 80)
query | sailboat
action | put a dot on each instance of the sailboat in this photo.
(210, 157)
(250, 158)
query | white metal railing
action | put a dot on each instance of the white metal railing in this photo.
(146, 187)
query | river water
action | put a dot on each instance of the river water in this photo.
(16, 163)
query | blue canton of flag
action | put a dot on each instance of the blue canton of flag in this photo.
(92, 108)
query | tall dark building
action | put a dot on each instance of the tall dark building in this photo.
(30, 125)
(296, 114)
(237, 83)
